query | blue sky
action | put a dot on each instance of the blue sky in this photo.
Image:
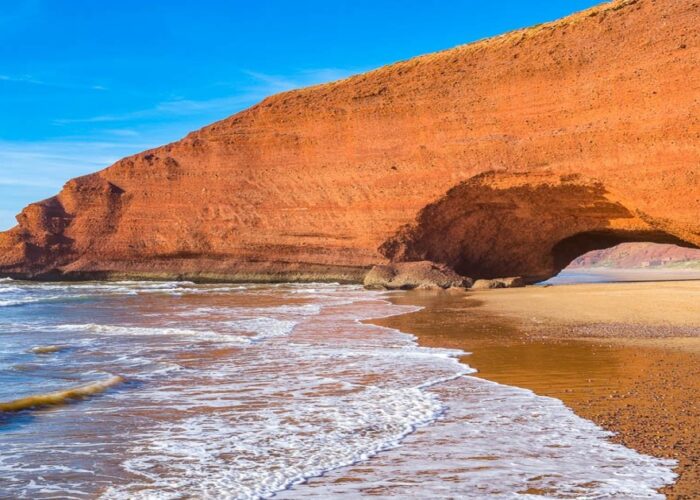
(85, 82)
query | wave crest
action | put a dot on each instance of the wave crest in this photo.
(60, 397)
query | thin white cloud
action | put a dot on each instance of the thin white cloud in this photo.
(263, 86)
(31, 80)
(51, 163)
(323, 75)
(31, 171)
(178, 107)
(272, 83)
(21, 79)
(122, 132)
(24, 182)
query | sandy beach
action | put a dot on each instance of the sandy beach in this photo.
(624, 355)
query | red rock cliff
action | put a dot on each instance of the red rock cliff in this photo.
(509, 156)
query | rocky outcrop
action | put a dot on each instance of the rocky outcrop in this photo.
(514, 282)
(506, 157)
(423, 275)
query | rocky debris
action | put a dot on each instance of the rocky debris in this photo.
(512, 282)
(423, 275)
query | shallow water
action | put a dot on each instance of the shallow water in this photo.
(245, 391)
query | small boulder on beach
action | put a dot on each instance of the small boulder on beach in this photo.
(511, 282)
(424, 275)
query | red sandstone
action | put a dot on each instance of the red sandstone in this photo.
(506, 157)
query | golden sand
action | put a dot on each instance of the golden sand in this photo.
(674, 303)
(625, 355)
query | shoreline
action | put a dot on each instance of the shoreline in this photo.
(638, 378)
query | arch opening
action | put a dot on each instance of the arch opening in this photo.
(533, 225)
(632, 261)
(569, 249)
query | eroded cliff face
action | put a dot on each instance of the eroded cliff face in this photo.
(509, 156)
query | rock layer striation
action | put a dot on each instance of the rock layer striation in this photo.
(506, 157)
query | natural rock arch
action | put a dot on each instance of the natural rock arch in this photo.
(308, 184)
(527, 224)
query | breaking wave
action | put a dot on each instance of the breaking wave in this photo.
(60, 397)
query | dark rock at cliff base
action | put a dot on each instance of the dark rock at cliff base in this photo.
(423, 275)
(512, 282)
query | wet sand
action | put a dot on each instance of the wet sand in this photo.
(624, 355)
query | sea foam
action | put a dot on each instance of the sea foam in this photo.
(255, 397)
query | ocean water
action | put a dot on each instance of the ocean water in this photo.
(176, 390)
